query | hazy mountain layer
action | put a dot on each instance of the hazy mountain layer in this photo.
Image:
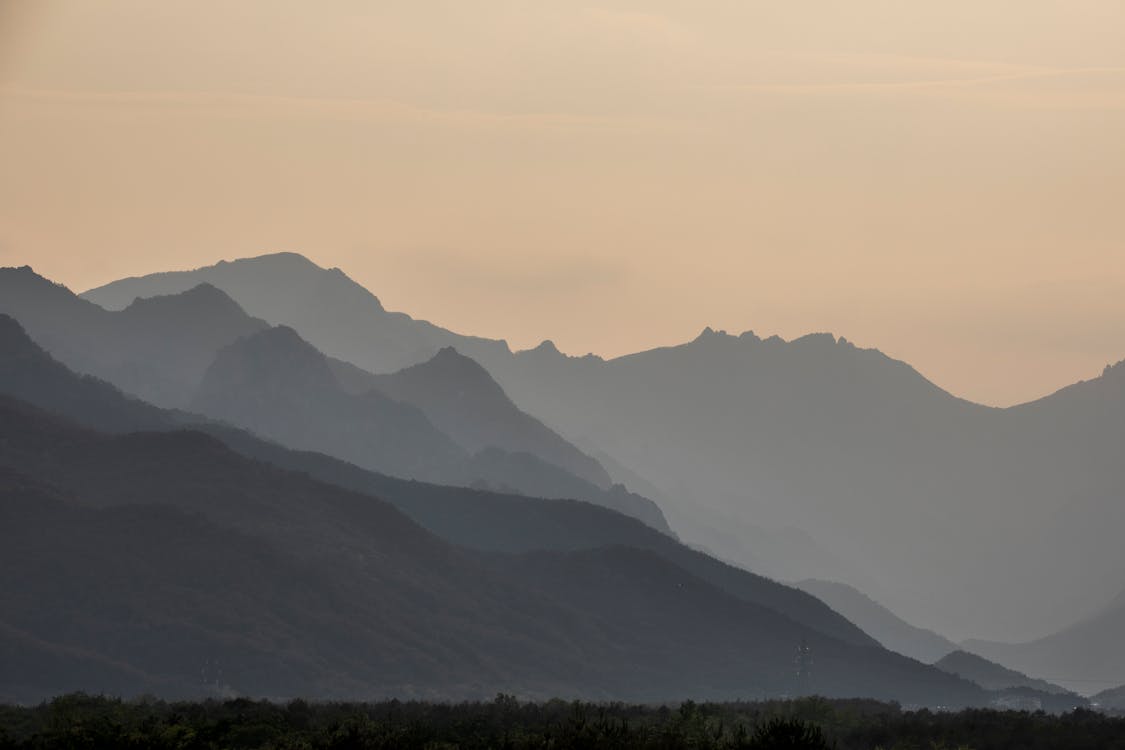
(463, 400)
(966, 519)
(343, 319)
(880, 623)
(1084, 657)
(279, 386)
(472, 518)
(990, 675)
(155, 348)
(161, 347)
(1113, 698)
(165, 553)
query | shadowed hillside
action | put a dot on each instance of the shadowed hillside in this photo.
(342, 594)
(472, 518)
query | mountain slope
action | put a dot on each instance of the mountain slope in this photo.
(955, 515)
(1112, 699)
(1083, 657)
(169, 549)
(463, 400)
(991, 676)
(278, 385)
(880, 623)
(472, 518)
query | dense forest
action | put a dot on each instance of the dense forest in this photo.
(80, 720)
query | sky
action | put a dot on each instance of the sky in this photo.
(942, 181)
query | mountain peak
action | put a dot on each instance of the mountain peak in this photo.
(451, 360)
(201, 296)
(452, 368)
(816, 339)
(26, 277)
(282, 257)
(546, 346)
(276, 356)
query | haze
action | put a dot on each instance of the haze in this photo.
(942, 182)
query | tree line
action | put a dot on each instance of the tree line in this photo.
(85, 721)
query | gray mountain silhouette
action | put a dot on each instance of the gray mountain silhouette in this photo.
(992, 676)
(463, 400)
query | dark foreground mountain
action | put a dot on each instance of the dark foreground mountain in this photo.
(879, 622)
(476, 519)
(155, 555)
(959, 517)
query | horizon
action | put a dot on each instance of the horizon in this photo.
(837, 336)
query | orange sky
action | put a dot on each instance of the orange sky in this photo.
(945, 183)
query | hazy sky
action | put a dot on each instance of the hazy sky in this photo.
(942, 180)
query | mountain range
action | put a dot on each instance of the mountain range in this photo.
(172, 350)
(170, 560)
(954, 515)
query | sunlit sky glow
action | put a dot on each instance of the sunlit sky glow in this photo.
(943, 181)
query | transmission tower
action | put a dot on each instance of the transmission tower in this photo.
(804, 661)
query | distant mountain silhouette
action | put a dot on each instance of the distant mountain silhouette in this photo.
(1083, 657)
(942, 509)
(156, 349)
(279, 386)
(157, 556)
(276, 384)
(463, 400)
(477, 519)
(990, 675)
(339, 316)
(880, 623)
(1113, 698)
